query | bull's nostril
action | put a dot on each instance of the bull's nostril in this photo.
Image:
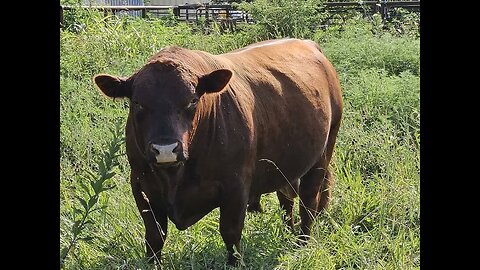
(177, 148)
(154, 150)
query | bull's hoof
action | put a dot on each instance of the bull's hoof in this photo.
(302, 240)
(153, 259)
(233, 261)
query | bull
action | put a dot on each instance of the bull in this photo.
(207, 131)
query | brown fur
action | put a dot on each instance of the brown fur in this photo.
(270, 127)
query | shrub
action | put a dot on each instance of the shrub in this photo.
(285, 18)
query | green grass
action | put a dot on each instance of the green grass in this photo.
(374, 219)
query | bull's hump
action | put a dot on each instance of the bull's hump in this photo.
(270, 44)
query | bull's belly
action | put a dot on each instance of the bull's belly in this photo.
(269, 178)
(273, 172)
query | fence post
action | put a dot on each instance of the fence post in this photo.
(384, 10)
(206, 14)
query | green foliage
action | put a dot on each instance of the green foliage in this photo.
(284, 18)
(360, 45)
(388, 106)
(93, 185)
(170, 19)
(404, 22)
(71, 2)
(374, 219)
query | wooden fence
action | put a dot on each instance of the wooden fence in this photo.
(226, 14)
(383, 7)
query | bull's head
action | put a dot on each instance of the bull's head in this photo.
(163, 101)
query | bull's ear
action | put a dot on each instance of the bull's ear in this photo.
(113, 86)
(214, 82)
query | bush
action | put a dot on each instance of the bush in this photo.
(359, 45)
(284, 18)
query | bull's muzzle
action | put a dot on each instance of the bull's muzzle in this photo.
(168, 153)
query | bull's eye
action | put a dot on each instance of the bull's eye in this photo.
(137, 105)
(193, 104)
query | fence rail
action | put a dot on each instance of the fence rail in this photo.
(382, 6)
(227, 14)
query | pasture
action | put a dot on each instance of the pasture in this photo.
(373, 221)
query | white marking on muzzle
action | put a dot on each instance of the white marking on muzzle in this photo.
(165, 153)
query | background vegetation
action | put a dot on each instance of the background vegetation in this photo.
(374, 218)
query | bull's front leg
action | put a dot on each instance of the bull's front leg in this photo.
(154, 217)
(232, 217)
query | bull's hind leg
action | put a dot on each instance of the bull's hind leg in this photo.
(328, 182)
(285, 197)
(310, 186)
(316, 185)
(326, 191)
(287, 205)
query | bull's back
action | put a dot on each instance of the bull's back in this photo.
(296, 99)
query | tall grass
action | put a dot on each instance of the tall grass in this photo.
(93, 185)
(373, 220)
